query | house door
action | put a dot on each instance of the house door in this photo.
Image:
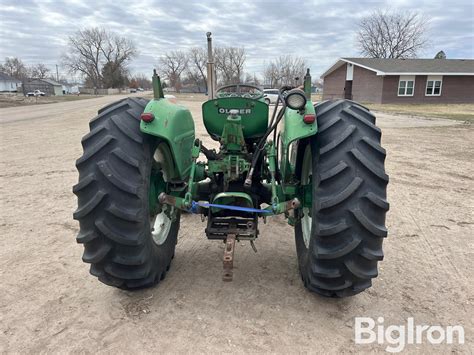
(348, 90)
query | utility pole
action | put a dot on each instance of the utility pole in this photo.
(57, 73)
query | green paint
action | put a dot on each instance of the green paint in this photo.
(236, 130)
(232, 198)
(295, 129)
(157, 88)
(232, 166)
(253, 113)
(232, 136)
(173, 124)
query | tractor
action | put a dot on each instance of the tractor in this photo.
(321, 166)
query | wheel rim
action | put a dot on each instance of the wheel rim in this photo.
(160, 222)
(306, 173)
(160, 228)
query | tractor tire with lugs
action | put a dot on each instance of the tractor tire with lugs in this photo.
(339, 242)
(113, 201)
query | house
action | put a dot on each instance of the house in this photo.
(48, 86)
(70, 88)
(379, 80)
(8, 83)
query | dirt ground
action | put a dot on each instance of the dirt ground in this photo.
(50, 303)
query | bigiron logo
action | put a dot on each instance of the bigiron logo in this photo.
(398, 336)
(241, 111)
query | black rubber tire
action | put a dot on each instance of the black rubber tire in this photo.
(113, 206)
(268, 102)
(349, 202)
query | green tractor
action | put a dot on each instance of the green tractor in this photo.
(321, 166)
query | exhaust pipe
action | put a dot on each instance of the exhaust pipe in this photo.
(211, 73)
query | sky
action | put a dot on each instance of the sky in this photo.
(319, 31)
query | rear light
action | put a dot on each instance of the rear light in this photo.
(147, 117)
(308, 119)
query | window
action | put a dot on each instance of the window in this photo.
(433, 85)
(406, 86)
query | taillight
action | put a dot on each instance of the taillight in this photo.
(147, 117)
(308, 119)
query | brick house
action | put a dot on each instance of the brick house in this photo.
(383, 81)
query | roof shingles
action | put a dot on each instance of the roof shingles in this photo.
(385, 66)
(416, 65)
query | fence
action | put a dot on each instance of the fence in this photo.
(110, 91)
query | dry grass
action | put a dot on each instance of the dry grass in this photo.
(316, 97)
(66, 98)
(20, 100)
(462, 112)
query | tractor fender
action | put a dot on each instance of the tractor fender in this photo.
(173, 124)
(294, 129)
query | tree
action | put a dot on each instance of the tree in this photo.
(15, 68)
(142, 81)
(133, 84)
(284, 70)
(91, 50)
(172, 65)
(197, 66)
(114, 76)
(392, 34)
(230, 63)
(440, 55)
(39, 71)
(251, 80)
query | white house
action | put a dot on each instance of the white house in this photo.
(70, 88)
(8, 84)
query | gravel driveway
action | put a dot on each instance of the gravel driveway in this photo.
(50, 303)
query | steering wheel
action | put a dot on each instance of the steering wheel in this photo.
(240, 90)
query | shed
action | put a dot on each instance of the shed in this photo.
(48, 86)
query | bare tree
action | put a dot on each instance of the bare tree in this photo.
(143, 81)
(271, 74)
(230, 63)
(172, 65)
(90, 50)
(285, 70)
(15, 68)
(39, 71)
(392, 34)
(196, 69)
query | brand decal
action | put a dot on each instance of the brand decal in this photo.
(241, 111)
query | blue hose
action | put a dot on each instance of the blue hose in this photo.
(225, 207)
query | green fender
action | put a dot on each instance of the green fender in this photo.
(173, 124)
(294, 129)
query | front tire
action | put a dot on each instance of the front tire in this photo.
(339, 239)
(113, 201)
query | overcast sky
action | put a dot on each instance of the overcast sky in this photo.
(319, 31)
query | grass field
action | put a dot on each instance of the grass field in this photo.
(462, 112)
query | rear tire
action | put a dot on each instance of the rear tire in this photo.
(113, 201)
(339, 256)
